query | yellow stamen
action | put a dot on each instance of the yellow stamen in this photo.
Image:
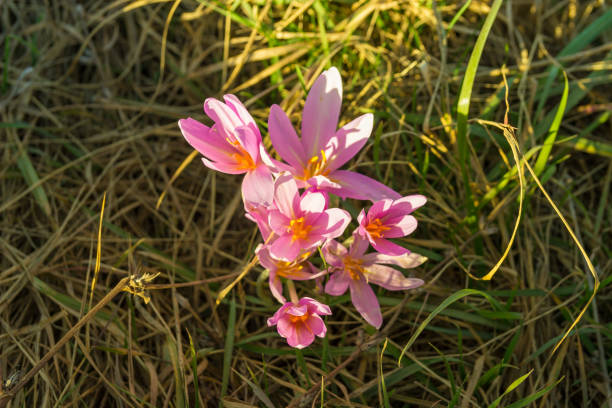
(316, 166)
(243, 159)
(376, 229)
(354, 268)
(298, 229)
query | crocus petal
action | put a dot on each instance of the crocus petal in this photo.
(258, 186)
(360, 187)
(284, 248)
(316, 326)
(410, 203)
(334, 222)
(243, 114)
(379, 209)
(408, 260)
(286, 196)
(223, 167)
(314, 306)
(388, 247)
(333, 252)
(321, 112)
(276, 287)
(300, 337)
(278, 222)
(204, 140)
(313, 202)
(224, 117)
(248, 140)
(365, 302)
(390, 278)
(284, 139)
(401, 226)
(349, 140)
(338, 283)
(359, 246)
(323, 183)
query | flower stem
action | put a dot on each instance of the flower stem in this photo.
(292, 293)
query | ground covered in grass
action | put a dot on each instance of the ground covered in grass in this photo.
(90, 97)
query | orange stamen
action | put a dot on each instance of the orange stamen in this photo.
(315, 166)
(243, 159)
(376, 229)
(354, 268)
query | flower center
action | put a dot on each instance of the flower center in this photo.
(288, 269)
(353, 268)
(298, 319)
(315, 166)
(299, 229)
(376, 229)
(243, 159)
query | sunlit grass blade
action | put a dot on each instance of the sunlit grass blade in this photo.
(463, 104)
(510, 388)
(446, 303)
(98, 251)
(552, 132)
(178, 171)
(385, 394)
(528, 400)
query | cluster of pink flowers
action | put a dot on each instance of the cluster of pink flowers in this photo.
(289, 201)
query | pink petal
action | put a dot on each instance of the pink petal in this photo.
(313, 203)
(243, 114)
(379, 209)
(248, 140)
(276, 287)
(284, 139)
(286, 196)
(278, 222)
(205, 141)
(315, 307)
(400, 227)
(258, 186)
(338, 283)
(316, 326)
(359, 246)
(321, 112)
(390, 278)
(333, 252)
(300, 337)
(223, 167)
(284, 248)
(365, 302)
(387, 247)
(324, 184)
(333, 223)
(350, 139)
(360, 187)
(408, 260)
(280, 313)
(412, 202)
(224, 117)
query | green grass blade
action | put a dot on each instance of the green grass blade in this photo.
(526, 401)
(31, 177)
(447, 302)
(552, 132)
(463, 105)
(229, 347)
(511, 387)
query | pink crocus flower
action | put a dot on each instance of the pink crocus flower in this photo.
(301, 222)
(300, 322)
(355, 269)
(233, 146)
(314, 159)
(389, 219)
(299, 269)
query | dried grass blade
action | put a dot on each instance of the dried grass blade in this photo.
(177, 173)
(98, 251)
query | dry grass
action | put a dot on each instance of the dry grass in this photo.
(90, 98)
